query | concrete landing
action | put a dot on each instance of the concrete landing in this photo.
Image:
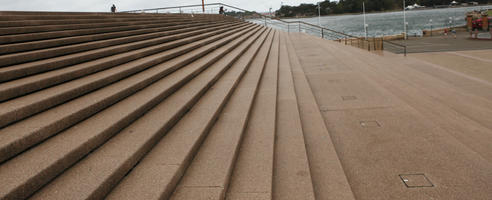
(440, 43)
(401, 128)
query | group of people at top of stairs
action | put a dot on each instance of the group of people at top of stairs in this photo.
(221, 9)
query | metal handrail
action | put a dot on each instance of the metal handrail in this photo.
(234, 7)
(187, 6)
(322, 29)
(400, 45)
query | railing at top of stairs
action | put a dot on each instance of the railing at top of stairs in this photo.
(325, 33)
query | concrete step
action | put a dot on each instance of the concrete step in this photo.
(26, 37)
(43, 125)
(208, 175)
(23, 57)
(172, 154)
(253, 171)
(34, 102)
(73, 143)
(126, 148)
(19, 23)
(329, 179)
(42, 44)
(43, 13)
(65, 16)
(30, 68)
(292, 174)
(8, 31)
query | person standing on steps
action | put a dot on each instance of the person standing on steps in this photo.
(221, 10)
(113, 8)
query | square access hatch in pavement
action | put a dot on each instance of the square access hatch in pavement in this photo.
(416, 180)
(370, 124)
(348, 98)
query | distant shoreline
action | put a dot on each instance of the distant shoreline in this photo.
(376, 12)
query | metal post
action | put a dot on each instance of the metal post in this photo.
(288, 28)
(374, 42)
(431, 26)
(405, 50)
(266, 22)
(299, 27)
(203, 6)
(322, 33)
(382, 43)
(365, 25)
(404, 22)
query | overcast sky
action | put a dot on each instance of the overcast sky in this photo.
(103, 5)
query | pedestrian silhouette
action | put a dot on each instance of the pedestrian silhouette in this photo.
(113, 8)
(221, 10)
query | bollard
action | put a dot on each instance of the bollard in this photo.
(322, 34)
(374, 43)
(382, 43)
(299, 27)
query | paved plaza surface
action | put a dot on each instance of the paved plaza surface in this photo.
(473, 63)
(438, 43)
(403, 128)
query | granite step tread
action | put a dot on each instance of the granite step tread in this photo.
(329, 179)
(20, 70)
(19, 136)
(61, 151)
(95, 176)
(26, 37)
(7, 31)
(292, 175)
(23, 57)
(170, 157)
(17, 23)
(26, 85)
(253, 172)
(212, 166)
(48, 43)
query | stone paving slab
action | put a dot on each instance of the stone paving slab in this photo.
(377, 144)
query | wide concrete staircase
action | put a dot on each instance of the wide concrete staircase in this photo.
(157, 106)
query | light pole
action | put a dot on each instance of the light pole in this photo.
(430, 21)
(450, 22)
(404, 22)
(319, 14)
(365, 25)
(203, 6)
(319, 19)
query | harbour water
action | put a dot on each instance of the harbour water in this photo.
(390, 23)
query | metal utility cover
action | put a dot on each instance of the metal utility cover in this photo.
(346, 98)
(416, 180)
(369, 124)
